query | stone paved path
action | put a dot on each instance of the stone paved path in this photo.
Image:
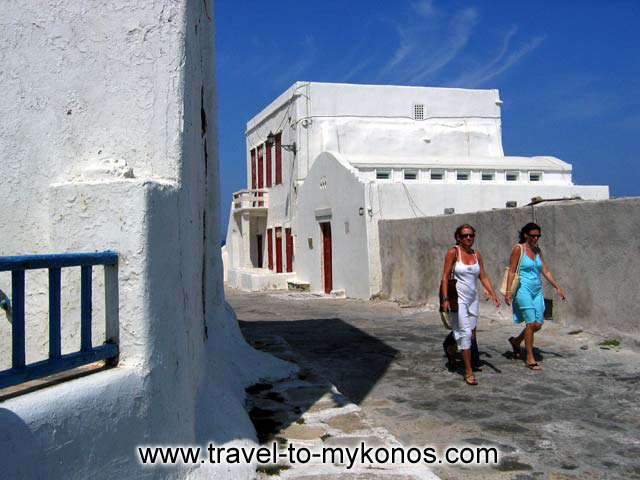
(307, 411)
(578, 419)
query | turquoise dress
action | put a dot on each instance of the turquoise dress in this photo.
(528, 304)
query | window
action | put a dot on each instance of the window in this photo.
(437, 174)
(410, 175)
(383, 174)
(488, 176)
(463, 175)
(535, 176)
(418, 112)
(511, 176)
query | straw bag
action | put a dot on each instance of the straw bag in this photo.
(516, 276)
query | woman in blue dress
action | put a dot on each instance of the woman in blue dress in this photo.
(528, 300)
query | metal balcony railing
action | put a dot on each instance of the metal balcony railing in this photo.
(20, 371)
(251, 199)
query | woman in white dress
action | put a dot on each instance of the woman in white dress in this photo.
(467, 267)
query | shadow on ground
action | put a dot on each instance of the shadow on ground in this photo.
(343, 355)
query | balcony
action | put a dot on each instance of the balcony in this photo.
(252, 201)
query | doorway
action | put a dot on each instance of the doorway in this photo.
(327, 261)
(259, 245)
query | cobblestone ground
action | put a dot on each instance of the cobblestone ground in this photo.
(578, 419)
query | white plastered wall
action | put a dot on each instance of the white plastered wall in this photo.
(108, 140)
(332, 186)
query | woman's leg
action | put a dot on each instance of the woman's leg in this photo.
(530, 330)
(468, 369)
(464, 327)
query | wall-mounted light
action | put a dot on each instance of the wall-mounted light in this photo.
(271, 140)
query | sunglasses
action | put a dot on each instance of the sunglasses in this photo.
(534, 236)
(467, 235)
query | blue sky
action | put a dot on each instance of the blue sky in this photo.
(568, 71)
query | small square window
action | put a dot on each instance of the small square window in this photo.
(383, 174)
(512, 176)
(410, 175)
(437, 175)
(418, 112)
(488, 176)
(535, 176)
(462, 175)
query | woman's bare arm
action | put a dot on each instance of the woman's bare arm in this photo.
(449, 260)
(549, 276)
(513, 266)
(486, 281)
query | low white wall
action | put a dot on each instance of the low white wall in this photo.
(590, 246)
(333, 186)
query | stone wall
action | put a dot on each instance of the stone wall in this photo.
(591, 247)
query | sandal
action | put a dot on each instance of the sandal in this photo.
(534, 366)
(470, 379)
(514, 347)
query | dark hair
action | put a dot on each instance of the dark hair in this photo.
(526, 229)
(458, 231)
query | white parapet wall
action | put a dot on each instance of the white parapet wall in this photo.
(108, 141)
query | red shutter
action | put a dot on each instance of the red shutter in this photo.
(278, 249)
(268, 152)
(278, 158)
(260, 168)
(253, 168)
(289, 248)
(270, 248)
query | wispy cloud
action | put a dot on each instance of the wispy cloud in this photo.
(424, 8)
(306, 58)
(501, 62)
(461, 27)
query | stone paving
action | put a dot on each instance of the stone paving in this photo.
(307, 411)
(578, 419)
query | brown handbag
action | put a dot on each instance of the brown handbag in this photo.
(451, 290)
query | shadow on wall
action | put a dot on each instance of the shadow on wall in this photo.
(348, 357)
(23, 448)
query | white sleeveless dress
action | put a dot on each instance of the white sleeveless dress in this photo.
(465, 320)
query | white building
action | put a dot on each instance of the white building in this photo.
(326, 161)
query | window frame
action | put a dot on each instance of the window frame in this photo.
(388, 171)
(492, 173)
(535, 172)
(440, 171)
(511, 172)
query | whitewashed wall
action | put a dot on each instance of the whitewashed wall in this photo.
(333, 185)
(104, 147)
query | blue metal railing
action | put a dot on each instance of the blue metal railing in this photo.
(20, 371)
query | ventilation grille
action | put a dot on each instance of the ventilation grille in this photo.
(418, 112)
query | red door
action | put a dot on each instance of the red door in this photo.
(253, 168)
(260, 168)
(326, 256)
(278, 249)
(270, 248)
(289, 248)
(268, 164)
